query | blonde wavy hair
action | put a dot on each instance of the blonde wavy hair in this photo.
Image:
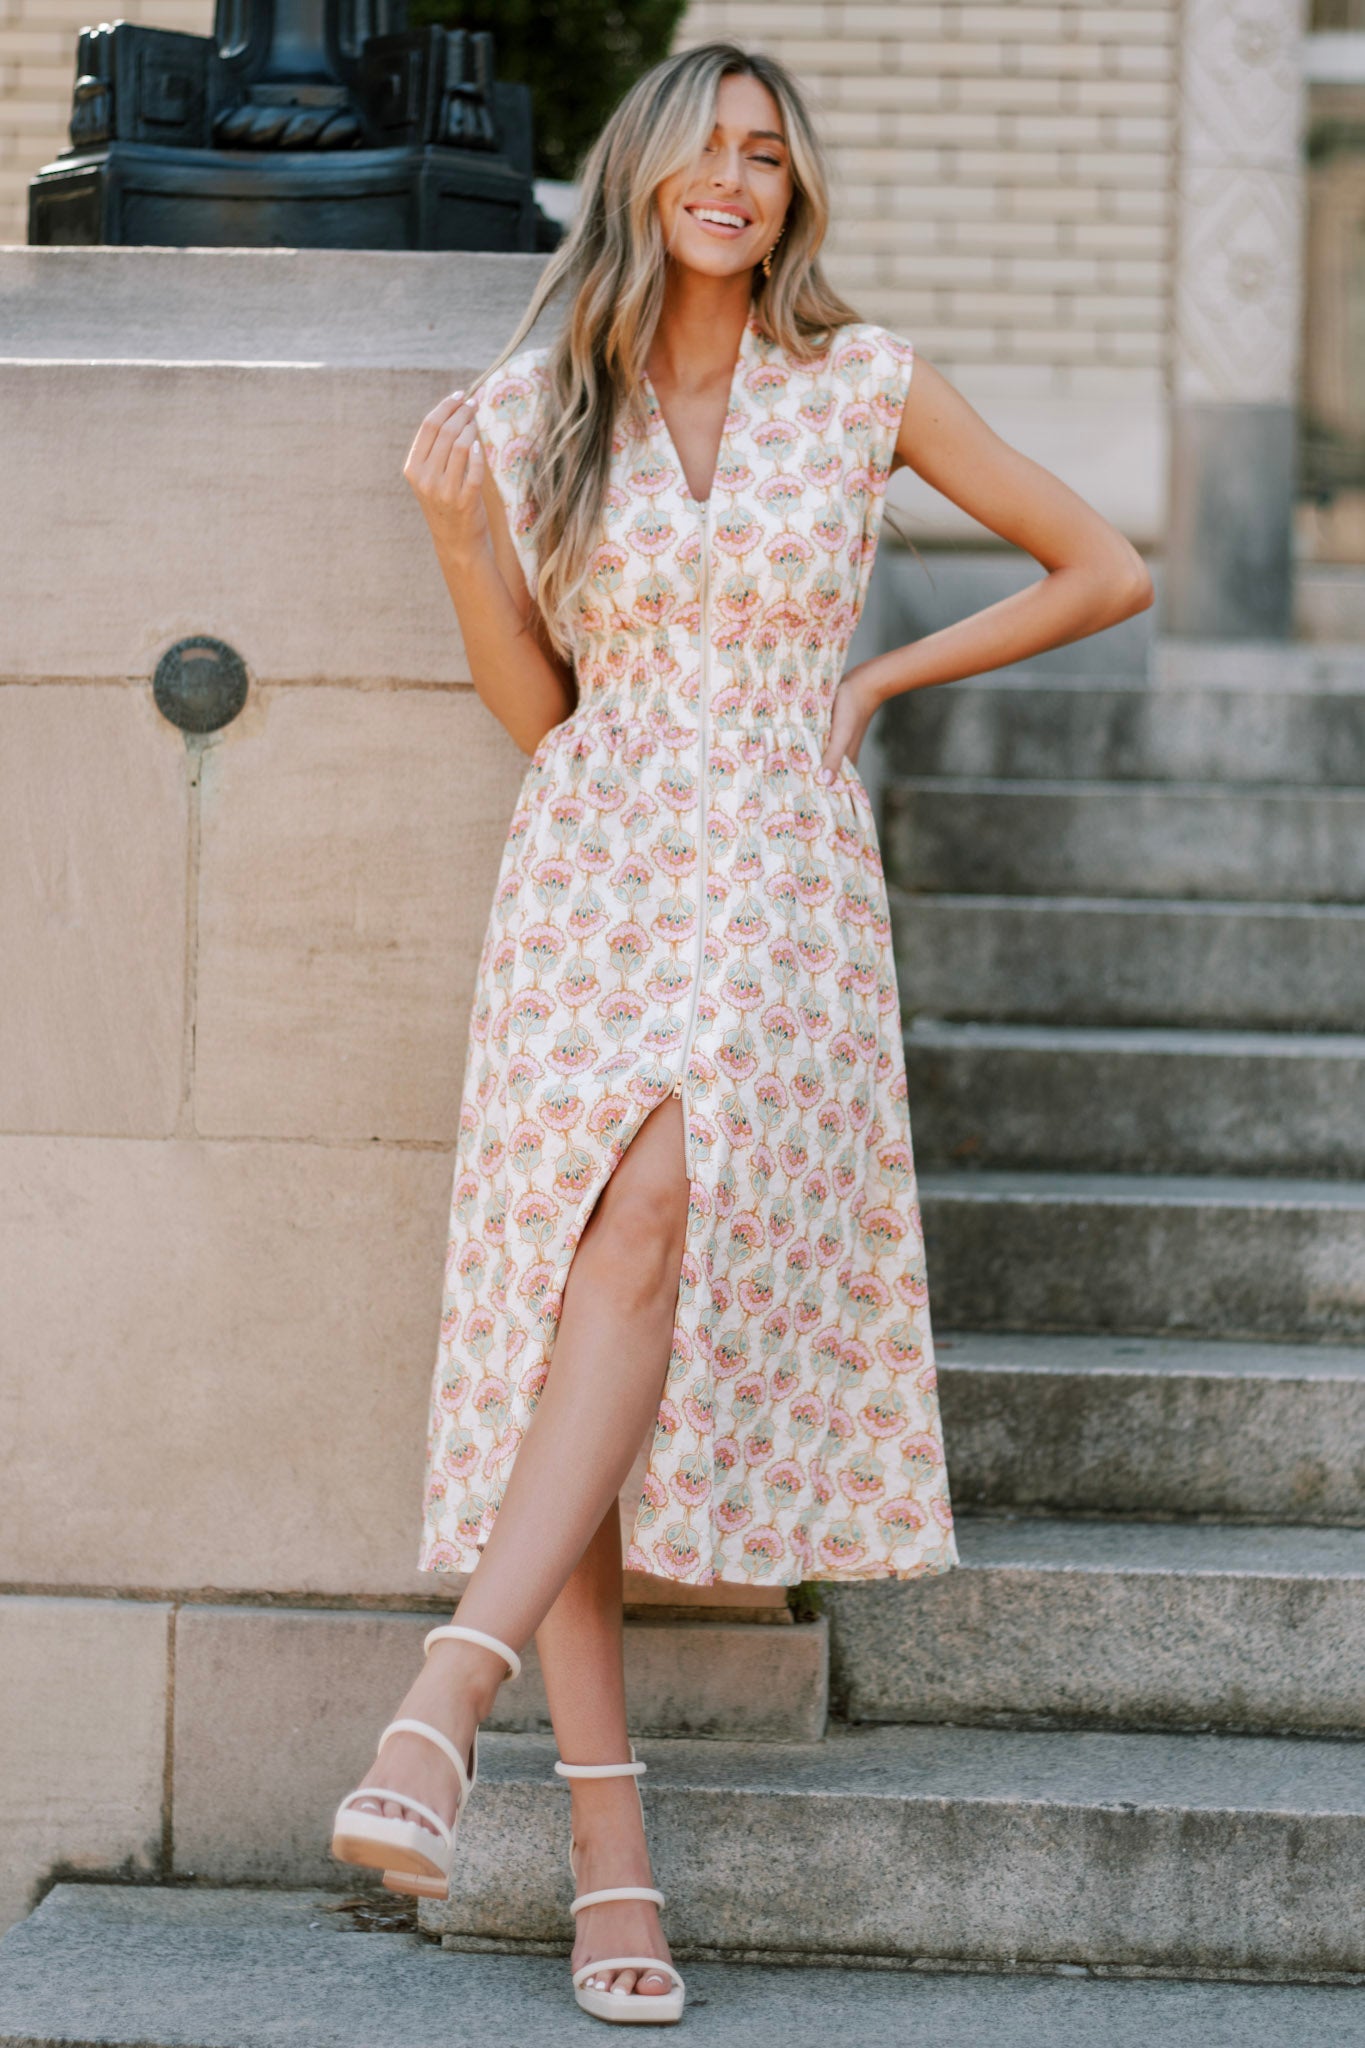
(611, 263)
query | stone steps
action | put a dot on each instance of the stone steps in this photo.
(1154, 1426)
(1136, 839)
(1211, 1255)
(1078, 1099)
(1040, 728)
(1132, 1625)
(197, 1968)
(276, 1714)
(971, 1845)
(1090, 960)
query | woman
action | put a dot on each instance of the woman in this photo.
(684, 1165)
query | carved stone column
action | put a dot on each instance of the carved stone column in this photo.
(1238, 311)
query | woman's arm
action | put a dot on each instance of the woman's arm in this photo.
(1096, 576)
(525, 684)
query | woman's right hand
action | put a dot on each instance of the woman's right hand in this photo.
(445, 467)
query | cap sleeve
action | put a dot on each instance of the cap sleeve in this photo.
(505, 411)
(872, 366)
(870, 369)
(888, 384)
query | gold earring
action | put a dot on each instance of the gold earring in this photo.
(768, 253)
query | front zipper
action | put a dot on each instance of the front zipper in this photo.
(677, 1088)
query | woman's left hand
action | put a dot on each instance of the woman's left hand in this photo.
(854, 704)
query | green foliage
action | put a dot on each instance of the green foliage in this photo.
(805, 1601)
(578, 56)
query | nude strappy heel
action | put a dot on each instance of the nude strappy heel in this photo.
(403, 1848)
(632, 2007)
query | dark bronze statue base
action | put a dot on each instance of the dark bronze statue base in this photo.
(290, 128)
(423, 198)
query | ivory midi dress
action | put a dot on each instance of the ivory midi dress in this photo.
(682, 908)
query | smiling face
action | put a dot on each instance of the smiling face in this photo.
(724, 214)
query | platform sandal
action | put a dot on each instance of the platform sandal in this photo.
(640, 2008)
(403, 1849)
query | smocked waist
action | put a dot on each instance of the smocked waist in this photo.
(733, 719)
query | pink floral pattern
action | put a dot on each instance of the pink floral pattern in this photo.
(682, 907)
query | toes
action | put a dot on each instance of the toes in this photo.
(623, 1982)
(653, 1981)
(393, 1809)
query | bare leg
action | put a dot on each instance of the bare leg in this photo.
(580, 1645)
(610, 1356)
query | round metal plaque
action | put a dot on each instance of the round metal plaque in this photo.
(200, 684)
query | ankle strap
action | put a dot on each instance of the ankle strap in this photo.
(630, 1770)
(458, 1632)
(617, 1891)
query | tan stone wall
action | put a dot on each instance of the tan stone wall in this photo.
(237, 977)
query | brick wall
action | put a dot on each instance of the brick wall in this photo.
(1003, 176)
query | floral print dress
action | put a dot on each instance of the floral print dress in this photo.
(682, 908)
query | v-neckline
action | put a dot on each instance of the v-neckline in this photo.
(749, 330)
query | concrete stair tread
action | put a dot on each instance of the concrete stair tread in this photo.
(1131, 789)
(1286, 722)
(1074, 1767)
(1250, 1256)
(1117, 1625)
(1181, 661)
(1215, 1549)
(1125, 1426)
(1073, 904)
(1213, 1043)
(1201, 1189)
(980, 1844)
(1132, 1098)
(994, 1351)
(1161, 841)
(1211, 962)
(99, 1965)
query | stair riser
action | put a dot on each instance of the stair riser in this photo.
(1041, 733)
(1031, 961)
(1284, 1450)
(1280, 847)
(985, 1881)
(1036, 1263)
(1124, 1109)
(1155, 1650)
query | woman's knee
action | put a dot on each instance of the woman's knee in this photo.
(639, 1223)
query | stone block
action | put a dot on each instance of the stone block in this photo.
(94, 806)
(349, 849)
(362, 308)
(82, 1741)
(232, 1344)
(266, 506)
(277, 1713)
